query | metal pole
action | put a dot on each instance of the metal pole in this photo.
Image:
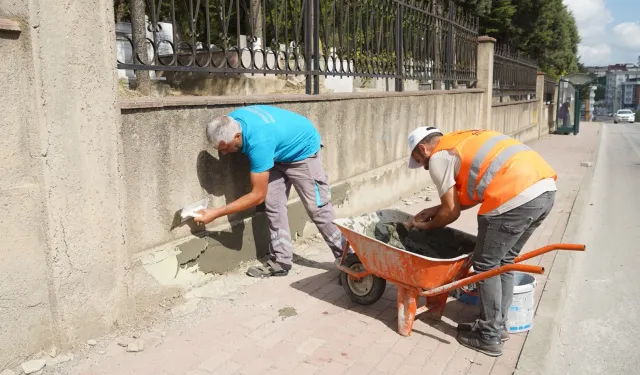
(399, 48)
(307, 45)
(316, 47)
(558, 101)
(576, 122)
(451, 19)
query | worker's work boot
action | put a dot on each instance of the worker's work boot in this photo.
(467, 327)
(476, 341)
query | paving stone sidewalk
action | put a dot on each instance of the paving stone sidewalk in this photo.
(305, 324)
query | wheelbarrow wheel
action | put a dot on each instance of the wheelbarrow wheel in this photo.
(365, 291)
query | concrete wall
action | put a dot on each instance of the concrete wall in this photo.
(25, 307)
(517, 119)
(168, 164)
(63, 246)
(549, 113)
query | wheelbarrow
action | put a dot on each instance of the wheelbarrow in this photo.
(372, 263)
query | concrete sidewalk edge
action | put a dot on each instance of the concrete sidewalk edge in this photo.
(535, 358)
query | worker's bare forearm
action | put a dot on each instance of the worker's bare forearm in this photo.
(443, 218)
(243, 203)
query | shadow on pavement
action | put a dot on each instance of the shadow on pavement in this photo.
(302, 261)
(325, 287)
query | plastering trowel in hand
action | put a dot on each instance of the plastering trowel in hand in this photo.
(191, 211)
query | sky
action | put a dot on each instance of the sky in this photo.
(610, 30)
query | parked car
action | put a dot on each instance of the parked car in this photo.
(624, 115)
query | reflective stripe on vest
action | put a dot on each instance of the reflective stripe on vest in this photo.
(472, 181)
(495, 166)
(477, 188)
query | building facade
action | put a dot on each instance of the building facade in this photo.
(620, 87)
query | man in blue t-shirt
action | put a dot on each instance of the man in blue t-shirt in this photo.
(284, 150)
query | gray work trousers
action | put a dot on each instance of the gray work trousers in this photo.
(311, 183)
(500, 240)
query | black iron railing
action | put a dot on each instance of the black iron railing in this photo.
(428, 40)
(514, 74)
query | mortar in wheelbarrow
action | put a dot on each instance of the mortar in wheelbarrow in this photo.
(446, 251)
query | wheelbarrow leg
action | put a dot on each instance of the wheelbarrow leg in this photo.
(435, 306)
(407, 306)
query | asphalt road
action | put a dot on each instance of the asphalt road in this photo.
(600, 331)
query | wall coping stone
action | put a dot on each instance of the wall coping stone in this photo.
(486, 39)
(514, 103)
(199, 101)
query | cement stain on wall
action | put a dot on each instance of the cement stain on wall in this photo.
(222, 251)
(219, 252)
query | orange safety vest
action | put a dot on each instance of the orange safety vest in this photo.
(493, 167)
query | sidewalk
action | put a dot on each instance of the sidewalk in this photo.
(305, 324)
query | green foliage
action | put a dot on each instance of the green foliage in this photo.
(600, 93)
(544, 29)
(122, 10)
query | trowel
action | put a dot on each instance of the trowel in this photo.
(191, 211)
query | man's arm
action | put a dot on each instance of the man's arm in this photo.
(448, 212)
(257, 195)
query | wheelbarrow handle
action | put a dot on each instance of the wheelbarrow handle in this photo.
(548, 248)
(482, 276)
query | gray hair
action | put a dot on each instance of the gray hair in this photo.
(222, 128)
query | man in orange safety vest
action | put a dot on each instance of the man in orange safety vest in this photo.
(515, 188)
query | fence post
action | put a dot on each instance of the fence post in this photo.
(316, 46)
(449, 50)
(540, 99)
(399, 48)
(486, 47)
(308, 37)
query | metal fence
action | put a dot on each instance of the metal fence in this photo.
(514, 74)
(428, 40)
(550, 87)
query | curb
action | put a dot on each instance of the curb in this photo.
(535, 357)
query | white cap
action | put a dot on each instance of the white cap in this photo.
(415, 137)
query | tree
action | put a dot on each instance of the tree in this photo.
(139, 32)
(543, 29)
(600, 93)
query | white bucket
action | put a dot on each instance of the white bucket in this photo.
(520, 316)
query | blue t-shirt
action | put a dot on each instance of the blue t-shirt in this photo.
(271, 134)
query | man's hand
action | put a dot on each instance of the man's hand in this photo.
(419, 225)
(426, 214)
(259, 183)
(207, 215)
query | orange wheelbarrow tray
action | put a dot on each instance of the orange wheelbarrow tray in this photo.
(364, 275)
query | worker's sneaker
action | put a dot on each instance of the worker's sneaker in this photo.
(467, 327)
(270, 268)
(476, 341)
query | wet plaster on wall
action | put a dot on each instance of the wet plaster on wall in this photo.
(222, 251)
(219, 251)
